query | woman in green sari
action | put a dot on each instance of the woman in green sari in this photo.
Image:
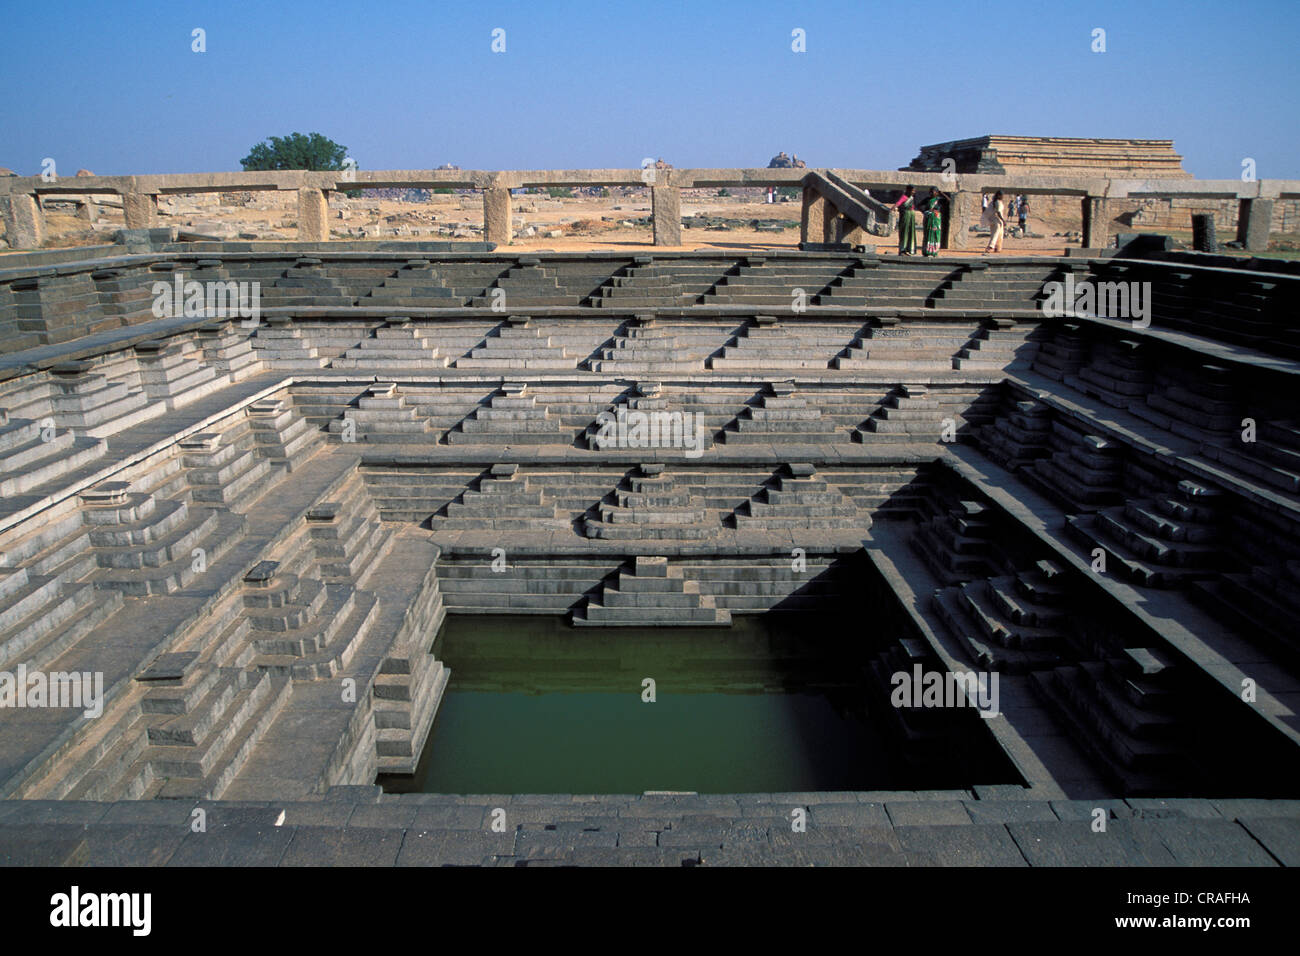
(906, 205)
(933, 222)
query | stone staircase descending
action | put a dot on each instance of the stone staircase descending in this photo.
(172, 378)
(225, 467)
(922, 733)
(889, 344)
(47, 602)
(408, 687)
(1011, 623)
(33, 452)
(873, 284)
(382, 415)
(1019, 435)
(979, 287)
(913, 413)
(502, 501)
(194, 715)
(529, 285)
(1083, 472)
(306, 283)
(58, 307)
(511, 417)
(153, 536)
(780, 415)
(773, 284)
(1158, 542)
(648, 505)
(227, 351)
(797, 497)
(647, 285)
(1062, 352)
(125, 294)
(281, 435)
(1200, 405)
(1273, 457)
(1124, 711)
(1000, 345)
(280, 344)
(397, 346)
(1265, 599)
(960, 543)
(765, 343)
(93, 404)
(517, 344)
(656, 430)
(653, 595)
(643, 346)
(1117, 374)
(198, 723)
(417, 286)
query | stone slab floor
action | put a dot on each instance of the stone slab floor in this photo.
(359, 826)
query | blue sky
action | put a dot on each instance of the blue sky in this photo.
(115, 87)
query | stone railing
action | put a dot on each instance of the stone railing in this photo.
(21, 210)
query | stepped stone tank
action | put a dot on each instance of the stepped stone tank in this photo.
(252, 529)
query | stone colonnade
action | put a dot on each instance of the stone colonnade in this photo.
(821, 221)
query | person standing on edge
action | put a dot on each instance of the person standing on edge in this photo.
(933, 222)
(1023, 214)
(906, 205)
(995, 217)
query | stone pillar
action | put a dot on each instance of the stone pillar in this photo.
(851, 233)
(666, 208)
(831, 224)
(24, 221)
(1096, 222)
(1254, 217)
(86, 209)
(313, 215)
(812, 220)
(140, 210)
(963, 212)
(496, 215)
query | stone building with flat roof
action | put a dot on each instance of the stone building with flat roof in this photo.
(1055, 156)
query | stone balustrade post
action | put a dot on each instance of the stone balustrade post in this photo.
(496, 215)
(313, 215)
(1254, 218)
(24, 221)
(963, 212)
(1096, 222)
(140, 210)
(666, 211)
(812, 218)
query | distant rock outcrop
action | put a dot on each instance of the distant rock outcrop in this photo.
(782, 161)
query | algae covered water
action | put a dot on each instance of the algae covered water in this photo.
(773, 703)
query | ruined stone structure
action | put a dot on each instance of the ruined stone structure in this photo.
(1146, 209)
(253, 528)
(1100, 192)
(1054, 156)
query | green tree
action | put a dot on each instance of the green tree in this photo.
(295, 151)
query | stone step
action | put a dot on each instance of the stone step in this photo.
(597, 615)
(223, 767)
(18, 480)
(47, 632)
